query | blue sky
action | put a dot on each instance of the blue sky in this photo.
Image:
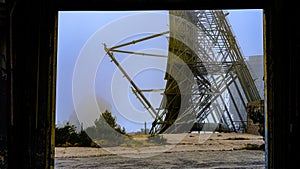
(77, 30)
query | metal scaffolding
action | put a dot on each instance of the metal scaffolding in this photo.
(204, 65)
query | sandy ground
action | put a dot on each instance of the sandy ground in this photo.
(238, 159)
(192, 142)
(182, 151)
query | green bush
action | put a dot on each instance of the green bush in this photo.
(105, 131)
(67, 136)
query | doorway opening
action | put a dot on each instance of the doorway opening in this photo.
(88, 83)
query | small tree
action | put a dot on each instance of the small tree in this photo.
(84, 139)
(67, 136)
(111, 121)
(106, 129)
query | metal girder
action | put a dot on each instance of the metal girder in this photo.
(204, 64)
(204, 41)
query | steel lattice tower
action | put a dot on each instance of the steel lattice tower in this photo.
(204, 41)
(204, 65)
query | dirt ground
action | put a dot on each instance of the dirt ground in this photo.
(193, 150)
(175, 143)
